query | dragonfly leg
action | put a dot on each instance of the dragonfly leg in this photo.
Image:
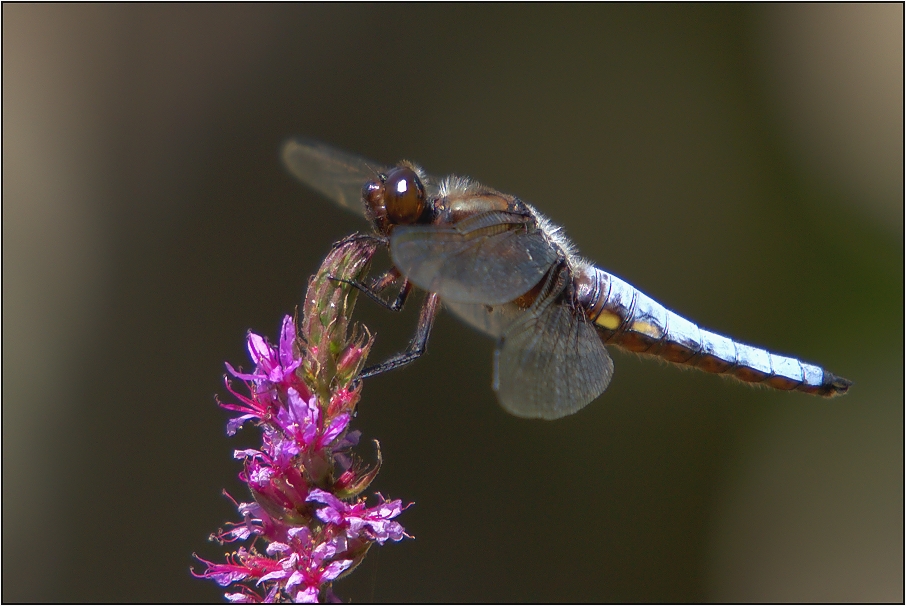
(378, 285)
(376, 239)
(417, 345)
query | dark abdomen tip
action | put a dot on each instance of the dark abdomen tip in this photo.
(836, 386)
(831, 386)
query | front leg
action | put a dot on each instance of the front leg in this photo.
(378, 286)
(417, 346)
(357, 237)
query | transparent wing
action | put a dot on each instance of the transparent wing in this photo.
(491, 258)
(550, 364)
(492, 320)
(337, 174)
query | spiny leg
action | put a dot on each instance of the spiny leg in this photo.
(417, 345)
(357, 237)
(419, 342)
(378, 285)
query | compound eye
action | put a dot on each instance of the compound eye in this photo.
(372, 193)
(404, 196)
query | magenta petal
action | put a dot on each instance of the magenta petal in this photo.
(349, 440)
(390, 509)
(297, 407)
(276, 548)
(309, 595)
(275, 374)
(336, 427)
(227, 577)
(334, 569)
(234, 425)
(287, 339)
(301, 533)
(356, 525)
(388, 530)
(250, 509)
(259, 350)
(294, 579)
(241, 375)
(309, 420)
(308, 434)
(322, 496)
(277, 574)
(241, 532)
(312, 411)
(340, 544)
(323, 552)
(283, 451)
(329, 515)
(247, 453)
(240, 598)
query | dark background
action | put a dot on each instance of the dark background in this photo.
(741, 164)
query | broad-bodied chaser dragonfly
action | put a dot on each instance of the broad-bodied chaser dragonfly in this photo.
(502, 267)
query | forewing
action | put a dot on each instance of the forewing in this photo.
(337, 174)
(550, 364)
(492, 258)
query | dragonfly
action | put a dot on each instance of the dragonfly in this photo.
(505, 269)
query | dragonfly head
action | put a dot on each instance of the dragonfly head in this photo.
(397, 198)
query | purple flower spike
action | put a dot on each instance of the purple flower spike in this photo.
(302, 395)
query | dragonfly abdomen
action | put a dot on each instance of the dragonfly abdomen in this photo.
(630, 319)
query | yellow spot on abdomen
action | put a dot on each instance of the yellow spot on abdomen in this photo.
(646, 328)
(608, 320)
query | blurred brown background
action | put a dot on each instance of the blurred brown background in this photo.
(742, 164)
